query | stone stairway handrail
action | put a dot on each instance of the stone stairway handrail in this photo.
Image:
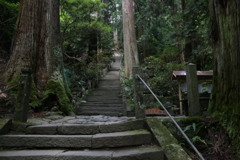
(137, 77)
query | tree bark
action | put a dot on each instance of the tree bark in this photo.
(188, 46)
(129, 35)
(225, 16)
(115, 36)
(37, 45)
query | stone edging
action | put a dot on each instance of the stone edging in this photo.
(171, 147)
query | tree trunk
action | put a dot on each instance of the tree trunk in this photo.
(129, 37)
(37, 45)
(225, 16)
(115, 36)
(188, 38)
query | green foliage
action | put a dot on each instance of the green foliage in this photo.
(128, 87)
(163, 26)
(194, 127)
(8, 17)
(229, 119)
(160, 71)
(57, 90)
(34, 101)
(193, 131)
(87, 42)
(81, 23)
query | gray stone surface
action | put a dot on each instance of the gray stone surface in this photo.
(29, 155)
(42, 129)
(167, 141)
(99, 125)
(120, 139)
(137, 153)
(72, 129)
(46, 141)
(141, 153)
(86, 155)
(117, 139)
(79, 120)
(192, 89)
(118, 127)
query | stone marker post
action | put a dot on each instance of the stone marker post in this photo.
(192, 89)
(139, 111)
(21, 110)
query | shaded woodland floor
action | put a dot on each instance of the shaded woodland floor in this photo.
(208, 136)
(218, 147)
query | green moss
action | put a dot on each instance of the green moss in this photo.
(56, 88)
(5, 125)
(179, 153)
(34, 97)
(168, 142)
(15, 81)
(162, 132)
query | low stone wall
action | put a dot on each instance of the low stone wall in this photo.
(170, 145)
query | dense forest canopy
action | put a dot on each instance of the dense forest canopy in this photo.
(67, 44)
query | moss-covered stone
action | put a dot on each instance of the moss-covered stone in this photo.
(5, 125)
(56, 88)
(172, 149)
(34, 97)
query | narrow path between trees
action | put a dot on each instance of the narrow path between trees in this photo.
(106, 99)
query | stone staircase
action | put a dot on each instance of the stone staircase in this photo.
(107, 98)
(129, 140)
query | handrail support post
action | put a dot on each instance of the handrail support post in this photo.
(139, 111)
(21, 109)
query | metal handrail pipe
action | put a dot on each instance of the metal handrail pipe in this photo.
(171, 117)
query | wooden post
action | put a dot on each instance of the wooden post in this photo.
(192, 89)
(139, 111)
(180, 98)
(21, 110)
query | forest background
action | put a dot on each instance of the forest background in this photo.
(170, 34)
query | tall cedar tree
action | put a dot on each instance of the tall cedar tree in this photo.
(129, 37)
(225, 16)
(37, 44)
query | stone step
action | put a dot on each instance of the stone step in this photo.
(105, 108)
(114, 69)
(96, 105)
(101, 110)
(107, 90)
(115, 84)
(110, 93)
(102, 140)
(107, 113)
(104, 100)
(110, 83)
(136, 153)
(104, 97)
(84, 129)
